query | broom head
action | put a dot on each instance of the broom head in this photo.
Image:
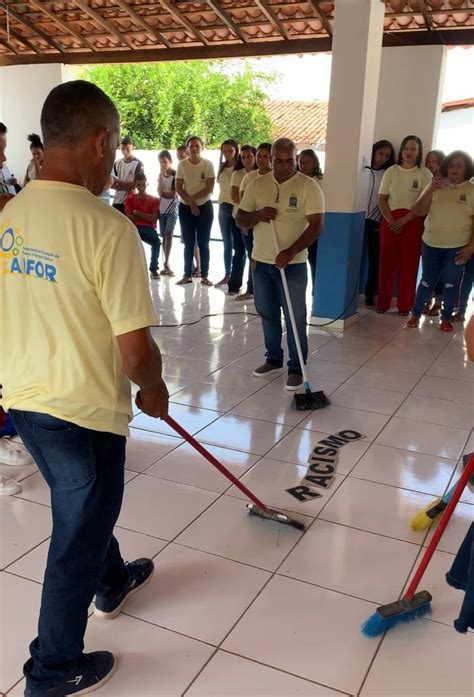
(309, 401)
(404, 610)
(423, 520)
(276, 516)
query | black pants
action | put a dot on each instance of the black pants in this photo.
(312, 258)
(120, 207)
(372, 237)
(238, 258)
(196, 228)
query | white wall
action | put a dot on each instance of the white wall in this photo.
(409, 98)
(23, 89)
(456, 131)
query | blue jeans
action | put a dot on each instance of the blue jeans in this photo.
(466, 285)
(269, 301)
(438, 262)
(238, 259)
(150, 236)
(168, 223)
(196, 228)
(225, 224)
(84, 470)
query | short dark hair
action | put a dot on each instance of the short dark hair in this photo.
(194, 138)
(3, 128)
(317, 171)
(73, 111)
(265, 146)
(469, 173)
(419, 158)
(165, 153)
(181, 148)
(35, 141)
(378, 146)
(126, 140)
(140, 177)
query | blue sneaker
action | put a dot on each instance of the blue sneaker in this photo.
(91, 671)
(139, 573)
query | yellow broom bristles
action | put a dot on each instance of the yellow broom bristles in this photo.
(422, 521)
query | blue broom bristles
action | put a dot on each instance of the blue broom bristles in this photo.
(377, 625)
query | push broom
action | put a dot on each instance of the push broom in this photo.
(308, 401)
(257, 507)
(413, 604)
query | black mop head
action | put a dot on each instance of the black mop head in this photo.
(276, 516)
(309, 401)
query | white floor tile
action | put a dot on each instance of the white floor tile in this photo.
(425, 438)
(446, 368)
(344, 354)
(144, 448)
(333, 419)
(443, 388)
(207, 396)
(446, 603)
(376, 508)
(456, 530)
(249, 435)
(327, 370)
(186, 466)
(270, 407)
(19, 603)
(351, 561)
(190, 418)
(235, 376)
(415, 363)
(437, 411)
(189, 368)
(197, 594)
(228, 530)
(384, 379)
(23, 525)
(413, 661)
(160, 508)
(34, 488)
(320, 623)
(406, 469)
(367, 399)
(227, 675)
(270, 479)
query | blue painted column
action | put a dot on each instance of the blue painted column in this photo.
(356, 57)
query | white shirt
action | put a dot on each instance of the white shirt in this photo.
(195, 177)
(126, 171)
(5, 175)
(167, 183)
(404, 186)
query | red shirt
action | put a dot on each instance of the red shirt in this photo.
(145, 204)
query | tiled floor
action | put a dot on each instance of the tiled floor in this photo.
(244, 607)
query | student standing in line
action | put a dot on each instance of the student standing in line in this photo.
(195, 178)
(168, 206)
(7, 180)
(401, 228)
(448, 239)
(182, 154)
(229, 155)
(245, 164)
(143, 211)
(264, 164)
(125, 171)
(308, 163)
(433, 162)
(467, 285)
(36, 162)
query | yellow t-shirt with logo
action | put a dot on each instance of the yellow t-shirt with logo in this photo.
(72, 277)
(449, 220)
(223, 180)
(294, 200)
(236, 180)
(404, 186)
(250, 176)
(195, 177)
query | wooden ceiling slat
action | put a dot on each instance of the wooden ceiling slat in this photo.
(104, 22)
(59, 22)
(183, 21)
(227, 19)
(272, 18)
(141, 21)
(321, 16)
(36, 30)
(425, 13)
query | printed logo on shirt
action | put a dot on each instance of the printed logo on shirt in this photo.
(203, 176)
(415, 185)
(293, 202)
(15, 258)
(462, 198)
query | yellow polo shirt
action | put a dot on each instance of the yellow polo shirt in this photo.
(236, 180)
(195, 177)
(223, 180)
(72, 277)
(250, 176)
(404, 186)
(449, 220)
(294, 200)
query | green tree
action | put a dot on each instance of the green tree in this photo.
(162, 104)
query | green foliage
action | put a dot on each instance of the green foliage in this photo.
(162, 104)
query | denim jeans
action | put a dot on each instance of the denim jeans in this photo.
(225, 224)
(269, 301)
(150, 236)
(467, 284)
(238, 259)
(461, 576)
(84, 470)
(196, 228)
(167, 223)
(438, 262)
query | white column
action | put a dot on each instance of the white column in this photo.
(23, 89)
(410, 92)
(357, 46)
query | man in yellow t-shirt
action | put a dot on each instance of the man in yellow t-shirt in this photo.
(296, 204)
(76, 312)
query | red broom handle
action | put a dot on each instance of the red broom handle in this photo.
(210, 458)
(445, 518)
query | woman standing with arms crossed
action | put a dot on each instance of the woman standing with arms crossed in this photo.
(229, 155)
(401, 228)
(246, 163)
(195, 179)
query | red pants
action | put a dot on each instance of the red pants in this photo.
(399, 253)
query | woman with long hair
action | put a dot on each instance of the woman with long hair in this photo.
(36, 162)
(308, 163)
(401, 228)
(433, 162)
(195, 179)
(228, 159)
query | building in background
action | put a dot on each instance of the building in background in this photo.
(303, 122)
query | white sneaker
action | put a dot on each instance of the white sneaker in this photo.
(9, 487)
(14, 453)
